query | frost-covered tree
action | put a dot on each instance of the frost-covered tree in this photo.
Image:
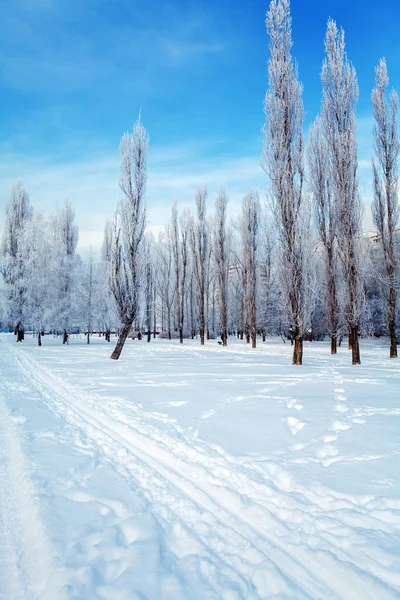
(249, 223)
(326, 217)
(385, 205)
(64, 241)
(149, 288)
(165, 278)
(89, 293)
(283, 162)
(184, 266)
(13, 257)
(340, 94)
(267, 272)
(128, 230)
(37, 253)
(199, 245)
(221, 254)
(106, 317)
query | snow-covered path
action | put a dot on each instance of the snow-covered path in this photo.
(190, 519)
(27, 568)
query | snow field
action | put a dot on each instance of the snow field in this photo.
(189, 472)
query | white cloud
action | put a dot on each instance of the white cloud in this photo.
(91, 184)
(175, 172)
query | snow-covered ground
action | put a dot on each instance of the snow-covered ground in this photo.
(181, 472)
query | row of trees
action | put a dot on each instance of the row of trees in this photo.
(294, 264)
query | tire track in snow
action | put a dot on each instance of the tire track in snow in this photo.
(27, 571)
(241, 537)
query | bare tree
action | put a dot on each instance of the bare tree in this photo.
(128, 230)
(221, 254)
(320, 182)
(340, 94)
(283, 162)
(199, 245)
(385, 205)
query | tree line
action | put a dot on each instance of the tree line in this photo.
(294, 263)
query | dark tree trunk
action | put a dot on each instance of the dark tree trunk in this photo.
(393, 340)
(298, 347)
(108, 335)
(19, 332)
(65, 337)
(121, 340)
(224, 338)
(39, 338)
(263, 335)
(254, 338)
(356, 360)
(333, 344)
(180, 335)
(149, 335)
(350, 339)
(88, 338)
(154, 318)
(392, 322)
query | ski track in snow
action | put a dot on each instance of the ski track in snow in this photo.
(246, 527)
(27, 569)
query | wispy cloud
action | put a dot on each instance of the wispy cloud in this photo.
(175, 172)
(92, 184)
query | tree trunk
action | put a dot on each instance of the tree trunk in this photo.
(333, 343)
(121, 340)
(39, 338)
(355, 346)
(298, 348)
(392, 322)
(19, 332)
(180, 335)
(350, 339)
(254, 338)
(393, 340)
(65, 337)
(154, 318)
(224, 338)
(263, 335)
(88, 338)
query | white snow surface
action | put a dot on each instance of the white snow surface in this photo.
(188, 472)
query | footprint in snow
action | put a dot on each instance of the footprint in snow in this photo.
(341, 408)
(338, 426)
(295, 425)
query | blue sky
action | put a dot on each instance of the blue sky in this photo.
(74, 74)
